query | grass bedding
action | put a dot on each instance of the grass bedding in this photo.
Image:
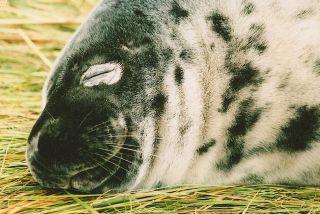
(32, 32)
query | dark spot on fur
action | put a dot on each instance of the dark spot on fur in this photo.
(156, 142)
(178, 75)
(173, 35)
(245, 119)
(235, 153)
(178, 12)
(241, 77)
(205, 148)
(221, 25)
(158, 104)
(260, 47)
(183, 129)
(253, 179)
(138, 12)
(300, 130)
(248, 8)
(255, 39)
(304, 14)
(227, 98)
(159, 185)
(317, 66)
(259, 28)
(284, 83)
(167, 54)
(186, 54)
(212, 46)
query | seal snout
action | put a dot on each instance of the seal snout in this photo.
(55, 142)
(64, 154)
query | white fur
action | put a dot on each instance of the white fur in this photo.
(292, 44)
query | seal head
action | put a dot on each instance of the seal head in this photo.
(85, 138)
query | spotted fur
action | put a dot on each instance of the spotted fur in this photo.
(211, 92)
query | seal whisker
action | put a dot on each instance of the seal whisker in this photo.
(88, 162)
(126, 135)
(108, 160)
(110, 143)
(93, 128)
(98, 163)
(50, 114)
(129, 149)
(119, 135)
(104, 151)
(104, 124)
(125, 145)
(105, 168)
(115, 136)
(105, 159)
(109, 150)
(85, 118)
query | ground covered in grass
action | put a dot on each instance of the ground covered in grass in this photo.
(32, 32)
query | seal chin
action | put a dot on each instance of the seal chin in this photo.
(46, 177)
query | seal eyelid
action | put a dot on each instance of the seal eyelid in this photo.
(109, 74)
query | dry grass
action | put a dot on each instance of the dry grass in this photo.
(32, 32)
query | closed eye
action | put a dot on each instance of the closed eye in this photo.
(109, 74)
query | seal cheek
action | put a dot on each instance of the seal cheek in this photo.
(109, 74)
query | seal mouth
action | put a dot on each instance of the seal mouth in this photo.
(94, 169)
(86, 179)
(94, 154)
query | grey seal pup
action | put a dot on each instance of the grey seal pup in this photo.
(152, 93)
